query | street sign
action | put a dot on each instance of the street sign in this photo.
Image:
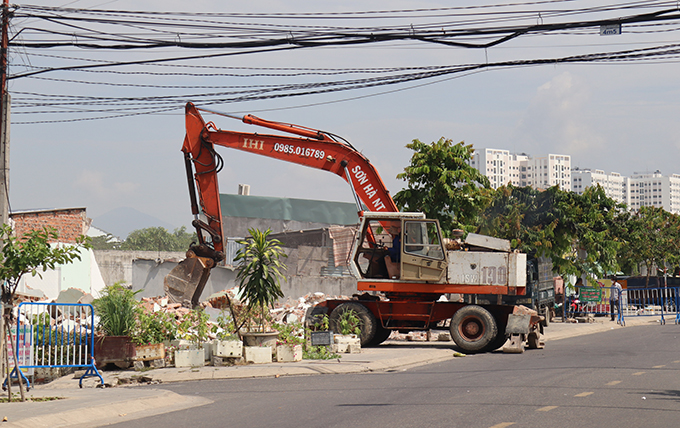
(610, 30)
(590, 294)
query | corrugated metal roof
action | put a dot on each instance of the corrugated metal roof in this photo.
(340, 213)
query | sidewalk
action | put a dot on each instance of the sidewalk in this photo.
(92, 406)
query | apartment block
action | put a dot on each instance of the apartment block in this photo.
(503, 167)
(655, 190)
(614, 184)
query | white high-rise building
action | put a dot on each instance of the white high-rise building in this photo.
(614, 184)
(503, 167)
(497, 165)
(549, 170)
(655, 190)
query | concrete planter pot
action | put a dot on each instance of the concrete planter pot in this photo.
(346, 343)
(260, 339)
(118, 350)
(189, 358)
(227, 348)
(257, 354)
(288, 353)
(149, 352)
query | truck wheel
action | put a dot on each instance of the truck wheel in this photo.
(473, 328)
(546, 315)
(367, 322)
(497, 341)
(381, 335)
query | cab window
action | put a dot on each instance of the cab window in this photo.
(421, 238)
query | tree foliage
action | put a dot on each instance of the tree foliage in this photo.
(576, 231)
(32, 254)
(442, 184)
(650, 236)
(159, 239)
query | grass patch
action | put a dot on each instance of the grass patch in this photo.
(17, 398)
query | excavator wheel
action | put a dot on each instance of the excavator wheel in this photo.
(367, 322)
(381, 335)
(473, 328)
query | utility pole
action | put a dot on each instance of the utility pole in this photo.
(4, 154)
(4, 118)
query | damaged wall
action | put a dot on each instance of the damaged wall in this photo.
(69, 222)
(117, 265)
(305, 274)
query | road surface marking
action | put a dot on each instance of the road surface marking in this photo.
(676, 361)
(583, 394)
(638, 373)
(614, 382)
(503, 425)
(546, 408)
(658, 367)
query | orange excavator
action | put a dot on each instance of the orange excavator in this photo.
(403, 266)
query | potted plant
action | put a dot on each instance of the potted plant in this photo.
(116, 309)
(226, 343)
(194, 328)
(152, 330)
(348, 326)
(259, 275)
(289, 342)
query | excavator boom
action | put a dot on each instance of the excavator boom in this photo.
(312, 148)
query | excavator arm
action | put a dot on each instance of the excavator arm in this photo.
(312, 148)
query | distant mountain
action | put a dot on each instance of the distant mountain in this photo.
(121, 221)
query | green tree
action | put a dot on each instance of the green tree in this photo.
(260, 271)
(159, 239)
(575, 231)
(442, 185)
(30, 254)
(105, 242)
(651, 237)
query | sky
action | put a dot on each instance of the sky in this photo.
(620, 117)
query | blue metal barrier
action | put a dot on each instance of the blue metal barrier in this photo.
(54, 335)
(653, 302)
(594, 301)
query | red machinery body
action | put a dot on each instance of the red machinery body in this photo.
(410, 301)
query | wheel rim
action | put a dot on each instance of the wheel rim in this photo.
(471, 328)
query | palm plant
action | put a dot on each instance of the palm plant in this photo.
(259, 271)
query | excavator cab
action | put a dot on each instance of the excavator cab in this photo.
(399, 246)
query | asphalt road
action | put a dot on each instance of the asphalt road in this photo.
(626, 377)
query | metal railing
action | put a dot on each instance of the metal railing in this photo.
(661, 301)
(55, 335)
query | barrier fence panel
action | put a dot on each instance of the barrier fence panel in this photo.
(661, 301)
(594, 301)
(56, 335)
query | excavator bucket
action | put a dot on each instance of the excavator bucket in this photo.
(184, 284)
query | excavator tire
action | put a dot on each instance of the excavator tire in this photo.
(381, 335)
(367, 322)
(473, 328)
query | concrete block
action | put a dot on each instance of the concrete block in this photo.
(258, 354)
(444, 337)
(340, 348)
(149, 352)
(138, 365)
(227, 348)
(354, 348)
(189, 357)
(288, 353)
(347, 339)
(157, 364)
